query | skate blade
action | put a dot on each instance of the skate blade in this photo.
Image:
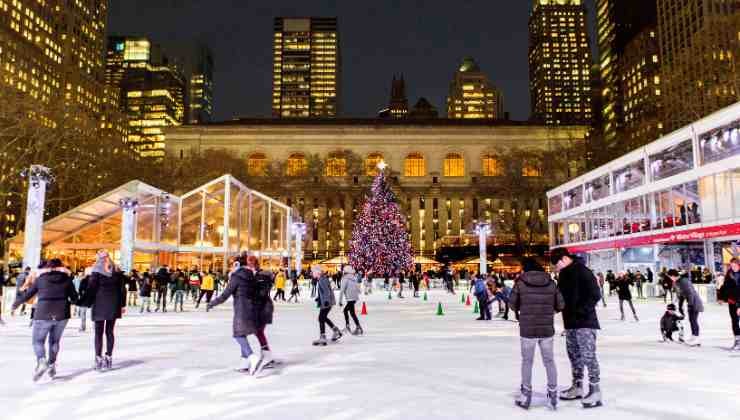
(594, 405)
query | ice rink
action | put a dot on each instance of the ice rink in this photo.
(411, 364)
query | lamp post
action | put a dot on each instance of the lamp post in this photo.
(128, 229)
(483, 229)
(38, 178)
(299, 230)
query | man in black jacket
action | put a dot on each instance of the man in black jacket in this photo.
(163, 279)
(581, 293)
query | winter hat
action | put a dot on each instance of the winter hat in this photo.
(100, 264)
(348, 269)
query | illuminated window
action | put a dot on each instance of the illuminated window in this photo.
(414, 165)
(530, 167)
(371, 163)
(491, 166)
(336, 165)
(454, 165)
(257, 164)
(297, 165)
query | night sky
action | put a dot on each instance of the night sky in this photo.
(424, 40)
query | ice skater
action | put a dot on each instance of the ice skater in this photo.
(730, 293)
(693, 302)
(670, 322)
(326, 300)
(81, 281)
(350, 289)
(56, 293)
(145, 292)
(625, 295)
(295, 292)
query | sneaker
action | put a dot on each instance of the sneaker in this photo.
(52, 370)
(593, 399)
(525, 398)
(575, 392)
(552, 399)
(41, 368)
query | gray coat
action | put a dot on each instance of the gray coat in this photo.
(537, 299)
(326, 297)
(689, 293)
(349, 288)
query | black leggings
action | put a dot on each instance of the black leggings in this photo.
(349, 309)
(324, 320)
(734, 319)
(207, 293)
(108, 327)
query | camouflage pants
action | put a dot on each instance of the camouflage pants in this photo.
(581, 345)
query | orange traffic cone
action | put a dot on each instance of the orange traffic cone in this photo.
(467, 301)
(364, 309)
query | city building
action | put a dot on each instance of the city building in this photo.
(472, 95)
(306, 68)
(673, 203)
(628, 61)
(398, 106)
(699, 46)
(560, 63)
(199, 70)
(151, 90)
(423, 109)
(447, 174)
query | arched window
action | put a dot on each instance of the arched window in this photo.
(531, 167)
(492, 166)
(257, 164)
(336, 164)
(371, 163)
(454, 165)
(297, 165)
(414, 165)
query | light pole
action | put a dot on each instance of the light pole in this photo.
(299, 230)
(128, 229)
(483, 229)
(38, 178)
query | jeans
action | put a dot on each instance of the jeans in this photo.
(529, 345)
(179, 297)
(324, 320)
(145, 302)
(132, 295)
(694, 321)
(349, 310)
(244, 345)
(162, 299)
(734, 319)
(104, 327)
(581, 345)
(51, 329)
(82, 313)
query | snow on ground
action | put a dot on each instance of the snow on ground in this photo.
(411, 364)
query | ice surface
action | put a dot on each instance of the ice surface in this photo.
(411, 364)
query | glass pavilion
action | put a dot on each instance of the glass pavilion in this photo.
(201, 228)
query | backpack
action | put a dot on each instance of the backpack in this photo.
(480, 288)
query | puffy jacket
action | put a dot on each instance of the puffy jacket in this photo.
(145, 287)
(55, 291)
(208, 282)
(162, 278)
(730, 290)
(581, 293)
(537, 299)
(106, 295)
(280, 281)
(248, 316)
(349, 288)
(325, 296)
(689, 293)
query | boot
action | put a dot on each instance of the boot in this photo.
(337, 335)
(575, 392)
(107, 362)
(321, 341)
(52, 370)
(525, 398)
(552, 399)
(98, 363)
(593, 399)
(736, 347)
(358, 331)
(41, 368)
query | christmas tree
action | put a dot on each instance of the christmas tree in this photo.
(380, 243)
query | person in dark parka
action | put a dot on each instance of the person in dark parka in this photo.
(625, 295)
(537, 299)
(694, 304)
(730, 293)
(56, 293)
(106, 294)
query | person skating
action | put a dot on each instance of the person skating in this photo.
(179, 287)
(162, 280)
(20, 279)
(537, 299)
(56, 293)
(581, 294)
(694, 305)
(667, 284)
(601, 280)
(639, 280)
(730, 293)
(264, 310)
(349, 289)
(415, 282)
(280, 286)
(669, 323)
(132, 283)
(401, 282)
(194, 281)
(481, 293)
(207, 287)
(326, 300)
(80, 282)
(625, 295)
(145, 292)
(295, 292)
(611, 280)
(106, 294)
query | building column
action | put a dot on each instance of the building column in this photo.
(467, 219)
(455, 206)
(348, 219)
(429, 225)
(128, 232)
(442, 216)
(323, 223)
(415, 222)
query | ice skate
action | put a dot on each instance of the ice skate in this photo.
(525, 398)
(98, 365)
(321, 341)
(693, 341)
(575, 392)
(243, 365)
(552, 399)
(41, 368)
(593, 399)
(347, 330)
(52, 370)
(736, 347)
(254, 362)
(358, 331)
(107, 362)
(336, 336)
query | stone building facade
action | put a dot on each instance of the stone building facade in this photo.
(440, 170)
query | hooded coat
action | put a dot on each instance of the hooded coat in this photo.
(55, 291)
(349, 287)
(537, 298)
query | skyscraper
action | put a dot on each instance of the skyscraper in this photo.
(200, 89)
(628, 58)
(399, 105)
(699, 48)
(472, 95)
(151, 91)
(559, 63)
(306, 67)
